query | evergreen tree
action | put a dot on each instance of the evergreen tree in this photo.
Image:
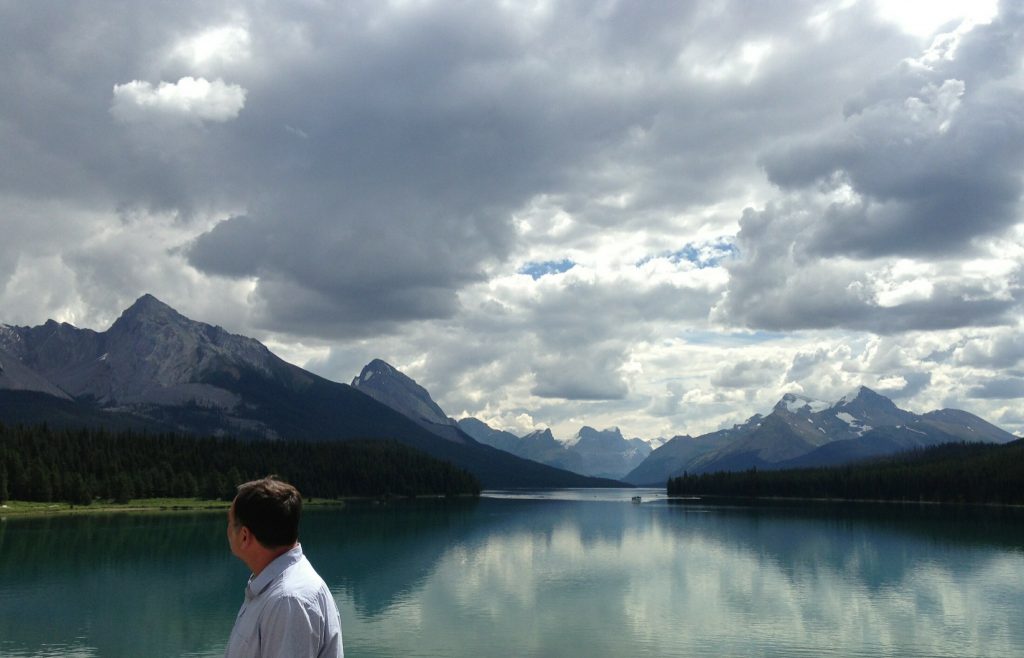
(185, 486)
(43, 464)
(4, 493)
(40, 488)
(18, 475)
(213, 486)
(231, 482)
(77, 492)
(124, 489)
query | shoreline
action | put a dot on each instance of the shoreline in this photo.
(25, 509)
(22, 509)
(713, 498)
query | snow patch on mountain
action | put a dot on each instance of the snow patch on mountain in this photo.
(855, 424)
(794, 403)
(849, 397)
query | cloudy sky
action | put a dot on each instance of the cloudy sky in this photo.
(655, 215)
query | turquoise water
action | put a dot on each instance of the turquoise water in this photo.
(568, 573)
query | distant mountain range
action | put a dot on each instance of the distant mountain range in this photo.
(154, 369)
(601, 453)
(604, 454)
(802, 432)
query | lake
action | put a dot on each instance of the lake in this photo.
(565, 573)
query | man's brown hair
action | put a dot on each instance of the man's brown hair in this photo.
(270, 509)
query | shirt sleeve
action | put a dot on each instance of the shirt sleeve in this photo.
(290, 630)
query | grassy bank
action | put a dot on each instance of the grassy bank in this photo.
(23, 508)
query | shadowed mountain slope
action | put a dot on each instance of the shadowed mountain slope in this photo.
(158, 369)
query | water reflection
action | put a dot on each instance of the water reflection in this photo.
(119, 585)
(560, 578)
(541, 576)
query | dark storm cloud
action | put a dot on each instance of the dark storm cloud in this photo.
(748, 374)
(425, 129)
(376, 153)
(777, 285)
(592, 376)
(59, 65)
(998, 388)
(368, 177)
(927, 160)
(934, 151)
(1001, 351)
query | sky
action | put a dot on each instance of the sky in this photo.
(660, 216)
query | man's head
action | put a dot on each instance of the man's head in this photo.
(264, 515)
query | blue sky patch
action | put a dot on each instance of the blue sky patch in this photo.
(701, 254)
(537, 270)
(731, 338)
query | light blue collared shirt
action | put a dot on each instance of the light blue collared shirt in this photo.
(288, 613)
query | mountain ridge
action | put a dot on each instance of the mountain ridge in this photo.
(600, 453)
(801, 432)
(604, 453)
(156, 368)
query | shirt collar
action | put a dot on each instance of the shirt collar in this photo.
(270, 572)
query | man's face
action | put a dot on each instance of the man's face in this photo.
(233, 530)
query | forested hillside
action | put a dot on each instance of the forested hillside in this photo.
(954, 472)
(42, 464)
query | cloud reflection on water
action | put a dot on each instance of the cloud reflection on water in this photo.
(614, 579)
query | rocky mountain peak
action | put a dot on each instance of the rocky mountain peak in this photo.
(151, 354)
(610, 438)
(866, 404)
(148, 311)
(380, 368)
(862, 396)
(541, 436)
(385, 383)
(799, 404)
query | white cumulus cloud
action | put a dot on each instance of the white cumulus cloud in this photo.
(188, 98)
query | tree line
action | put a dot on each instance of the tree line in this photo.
(953, 472)
(38, 463)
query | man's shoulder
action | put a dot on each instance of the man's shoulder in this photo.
(300, 580)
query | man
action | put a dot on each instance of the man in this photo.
(288, 611)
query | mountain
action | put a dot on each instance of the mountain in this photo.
(540, 445)
(603, 453)
(156, 369)
(150, 355)
(606, 453)
(386, 384)
(14, 376)
(801, 432)
(671, 457)
(484, 433)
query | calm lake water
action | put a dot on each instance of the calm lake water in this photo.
(568, 573)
